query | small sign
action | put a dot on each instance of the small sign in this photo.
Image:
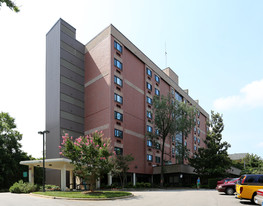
(24, 174)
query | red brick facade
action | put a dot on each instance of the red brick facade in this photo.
(100, 105)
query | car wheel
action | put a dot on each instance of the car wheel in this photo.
(253, 198)
(229, 191)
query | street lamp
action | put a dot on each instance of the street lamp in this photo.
(43, 133)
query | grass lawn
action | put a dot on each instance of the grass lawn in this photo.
(96, 194)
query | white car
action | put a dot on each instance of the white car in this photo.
(258, 199)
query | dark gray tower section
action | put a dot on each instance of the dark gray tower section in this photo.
(64, 86)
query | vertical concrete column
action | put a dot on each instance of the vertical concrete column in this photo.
(71, 179)
(31, 174)
(63, 178)
(98, 184)
(134, 179)
(109, 179)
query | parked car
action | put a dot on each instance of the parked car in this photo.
(223, 181)
(258, 199)
(248, 185)
(228, 187)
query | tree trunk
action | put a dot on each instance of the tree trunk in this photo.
(162, 166)
(92, 183)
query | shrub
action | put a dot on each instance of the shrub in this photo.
(23, 187)
(212, 183)
(129, 185)
(143, 185)
(50, 188)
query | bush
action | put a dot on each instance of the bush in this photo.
(212, 183)
(50, 188)
(129, 185)
(23, 187)
(143, 185)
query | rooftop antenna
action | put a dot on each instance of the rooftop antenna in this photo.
(165, 52)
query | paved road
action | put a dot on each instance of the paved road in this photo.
(145, 198)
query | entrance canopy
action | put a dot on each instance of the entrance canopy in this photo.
(56, 164)
(61, 164)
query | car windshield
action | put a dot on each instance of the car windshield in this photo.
(233, 179)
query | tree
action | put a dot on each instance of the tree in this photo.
(91, 156)
(10, 152)
(171, 118)
(213, 160)
(10, 4)
(253, 164)
(121, 167)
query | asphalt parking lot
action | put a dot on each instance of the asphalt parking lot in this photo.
(145, 198)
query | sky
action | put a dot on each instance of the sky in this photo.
(214, 46)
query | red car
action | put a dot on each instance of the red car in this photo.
(229, 187)
(223, 181)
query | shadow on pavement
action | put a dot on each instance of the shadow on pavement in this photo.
(244, 202)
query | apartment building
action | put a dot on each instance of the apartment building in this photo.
(108, 85)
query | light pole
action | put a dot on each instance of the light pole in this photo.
(43, 133)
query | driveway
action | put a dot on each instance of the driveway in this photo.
(145, 198)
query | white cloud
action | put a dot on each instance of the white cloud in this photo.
(250, 96)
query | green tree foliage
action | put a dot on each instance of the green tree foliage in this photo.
(121, 167)
(10, 152)
(213, 160)
(91, 156)
(253, 164)
(10, 4)
(171, 117)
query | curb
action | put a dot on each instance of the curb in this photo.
(83, 199)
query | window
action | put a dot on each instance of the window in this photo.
(198, 140)
(198, 113)
(173, 138)
(118, 116)
(172, 92)
(149, 128)
(195, 129)
(198, 122)
(118, 133)
(185, 144)
(118, 150)
(149, 158)
(118, 81)
(118, 46)
(195, 139)
(260, 179)
(149, 86)
(149, 72)
(149, 143)
(149, 115)
(157, 79)
(251, 179)
(178, 97)
(118, 64)
(149, 100)
(157, 159)
(195, 148)
(117, 98)
(157, 92)
(157, 131)
(173, 150)
(157, 145)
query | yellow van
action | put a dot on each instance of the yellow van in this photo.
(248, 185)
